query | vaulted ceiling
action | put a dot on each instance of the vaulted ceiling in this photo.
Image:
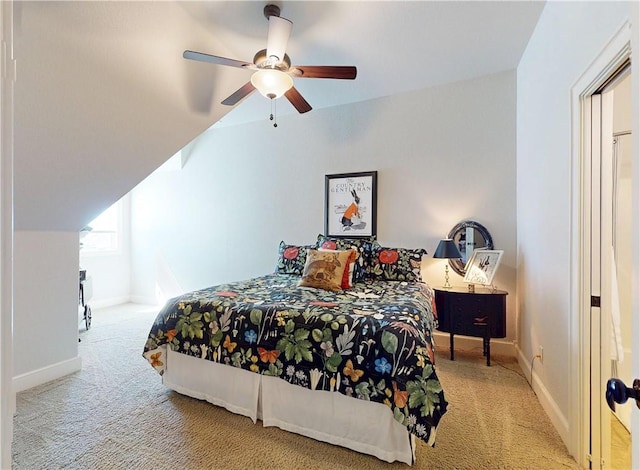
(103, 95)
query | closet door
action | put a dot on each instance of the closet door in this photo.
(611, 347)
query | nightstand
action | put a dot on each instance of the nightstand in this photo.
(482, 314)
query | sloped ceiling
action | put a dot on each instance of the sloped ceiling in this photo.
(104, 96)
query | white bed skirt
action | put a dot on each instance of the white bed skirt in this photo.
(364, 426)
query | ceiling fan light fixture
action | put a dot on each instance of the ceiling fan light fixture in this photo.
(271, 83)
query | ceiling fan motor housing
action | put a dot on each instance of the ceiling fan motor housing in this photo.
(262, 61)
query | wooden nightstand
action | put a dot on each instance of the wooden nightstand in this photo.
(482, 314)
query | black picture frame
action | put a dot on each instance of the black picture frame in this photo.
(350, 204)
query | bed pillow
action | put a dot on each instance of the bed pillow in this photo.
(325, 269)
(347, 275)
(291, 258)
(362, 245)
(396, 264)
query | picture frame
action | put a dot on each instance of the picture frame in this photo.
(482, 266)
(350, 204)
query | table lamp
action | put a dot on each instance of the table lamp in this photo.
(447, 249)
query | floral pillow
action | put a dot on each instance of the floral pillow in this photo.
(362, 245)
(325, 269)
(291, 258)
(347, 275)
(396, 264)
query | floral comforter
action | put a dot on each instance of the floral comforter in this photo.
(372, 342)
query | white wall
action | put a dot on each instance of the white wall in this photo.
(568, 38)
(111, 272)
(443, 155)
(45, 325)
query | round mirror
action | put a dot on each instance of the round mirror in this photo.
(468, 236)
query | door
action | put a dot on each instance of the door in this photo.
(619, 358)
(611, 270)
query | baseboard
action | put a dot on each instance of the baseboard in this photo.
(104, 303)
(46, 374)
(134, 299)
(559, 420)
(498, 346)
(143, 300)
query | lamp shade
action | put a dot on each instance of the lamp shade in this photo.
(447, 249)
(271, 83)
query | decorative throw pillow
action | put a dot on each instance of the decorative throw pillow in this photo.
(291, 258)
(347, 275)
(362, 245)
(396, 264)
(325, 269)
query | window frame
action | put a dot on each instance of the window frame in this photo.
(116, 245)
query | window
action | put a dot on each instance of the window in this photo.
(104, 236)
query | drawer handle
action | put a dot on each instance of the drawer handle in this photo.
(481, 320)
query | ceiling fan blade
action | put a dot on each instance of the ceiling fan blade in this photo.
(242, 92)
(214, 59)
(298, 102)
(342, 72)
(279, 32)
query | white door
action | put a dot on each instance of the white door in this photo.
(620, 348)
(611, 274)
(7, 395)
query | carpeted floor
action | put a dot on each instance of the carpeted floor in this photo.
(116, 414)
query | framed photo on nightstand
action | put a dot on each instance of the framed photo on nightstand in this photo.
(482, 266)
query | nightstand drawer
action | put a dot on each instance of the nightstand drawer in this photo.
(472, 326)
(471, 312)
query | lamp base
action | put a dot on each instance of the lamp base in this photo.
(446, 277)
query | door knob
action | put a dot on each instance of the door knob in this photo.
(618, 392)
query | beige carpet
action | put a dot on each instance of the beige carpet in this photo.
(116, 414)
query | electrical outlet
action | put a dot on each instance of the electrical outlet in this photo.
(540, 354)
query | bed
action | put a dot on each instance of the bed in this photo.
(352, 366)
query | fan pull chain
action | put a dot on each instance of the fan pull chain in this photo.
(272, 116)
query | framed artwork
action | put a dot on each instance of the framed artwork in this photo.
(482, 266)
(350, 204)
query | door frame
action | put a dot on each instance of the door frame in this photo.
(584, 329)
(7, 75)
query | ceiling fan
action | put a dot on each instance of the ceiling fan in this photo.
(273, 73)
